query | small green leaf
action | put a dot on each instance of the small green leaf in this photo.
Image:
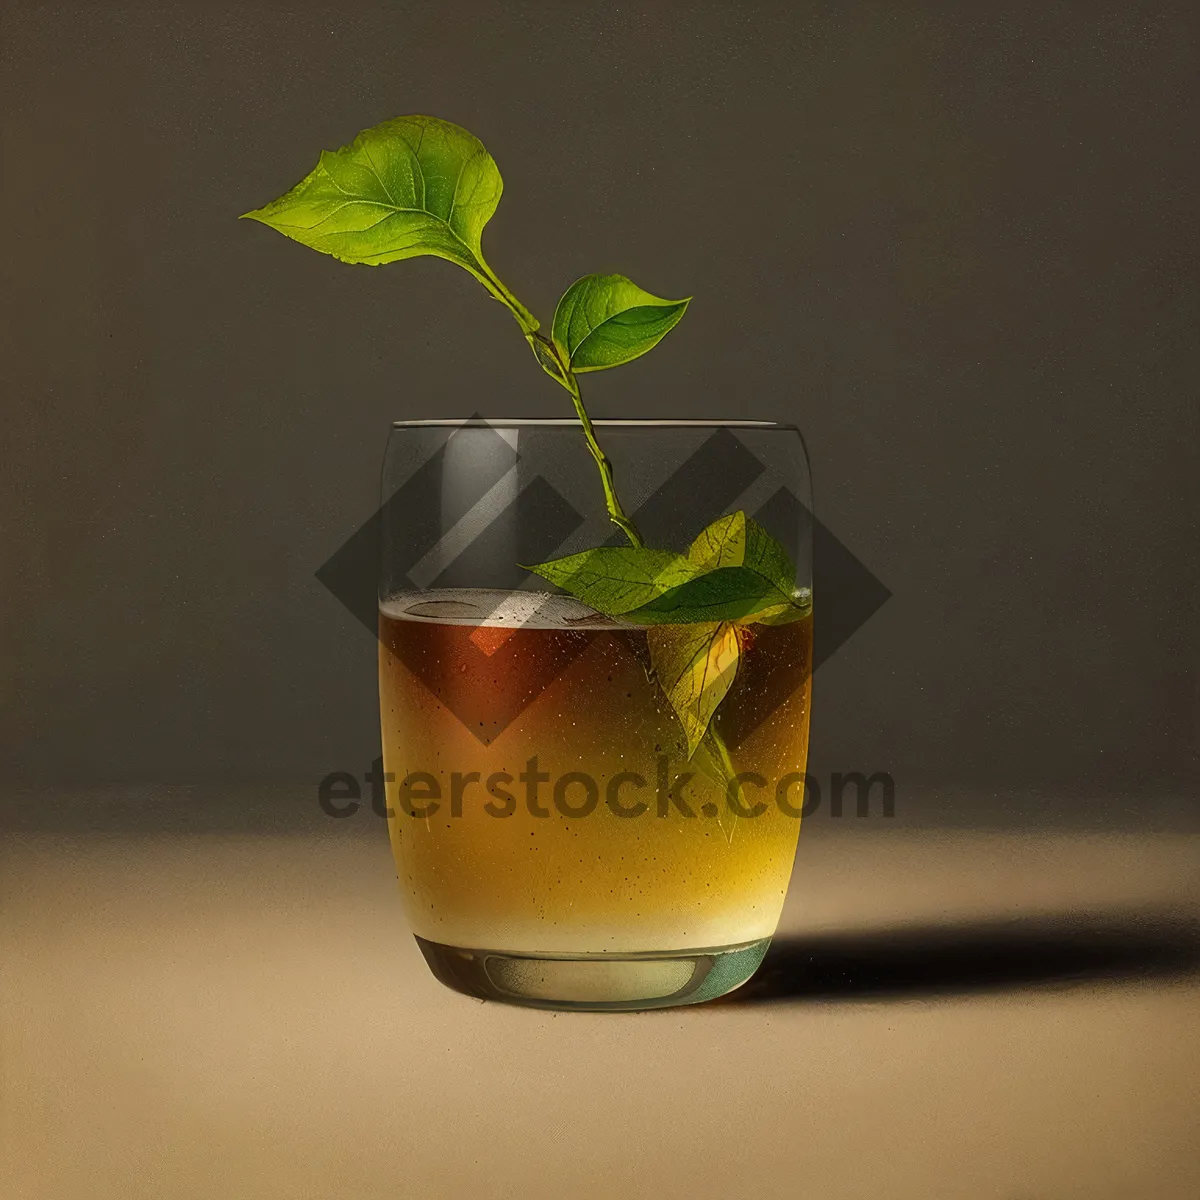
(724, 594)
(606, 320)
(547, 356)
(695, 666)
(410, 186)
(615, 579)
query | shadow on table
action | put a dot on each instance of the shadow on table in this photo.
(983, 956)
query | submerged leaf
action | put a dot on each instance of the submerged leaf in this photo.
(712, 759)
(695, 666)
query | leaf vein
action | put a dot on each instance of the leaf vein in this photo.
(375, 171)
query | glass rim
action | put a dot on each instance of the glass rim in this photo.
(601, 422)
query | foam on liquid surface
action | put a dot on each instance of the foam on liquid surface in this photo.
(494, 608)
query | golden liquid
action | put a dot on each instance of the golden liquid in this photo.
(601, 882)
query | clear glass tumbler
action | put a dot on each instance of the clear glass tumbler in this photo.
(555, 845)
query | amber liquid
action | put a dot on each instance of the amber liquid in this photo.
(470, 686)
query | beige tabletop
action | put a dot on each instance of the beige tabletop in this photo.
(948, 1014)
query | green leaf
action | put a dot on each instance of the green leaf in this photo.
(712, 758)
(797, 610)
(695, 666)
(547, 357)
(737, 540)
(606, 320)
(768, 558)
(725, 594)
(410, 186)
(713, 583)
(615, 579)
(722, 544)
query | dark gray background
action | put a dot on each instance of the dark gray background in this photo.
(953, 245)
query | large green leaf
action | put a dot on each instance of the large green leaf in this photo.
(410, 186)
(714, 582)
(615, 579)
(606, 320)
(724, 594)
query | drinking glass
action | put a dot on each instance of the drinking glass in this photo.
(554, 844)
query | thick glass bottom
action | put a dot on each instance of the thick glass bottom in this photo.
(595, 982)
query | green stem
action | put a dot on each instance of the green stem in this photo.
(616, 514)
(551, 362)
(528, 322)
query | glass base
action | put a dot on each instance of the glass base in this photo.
(595, 982)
